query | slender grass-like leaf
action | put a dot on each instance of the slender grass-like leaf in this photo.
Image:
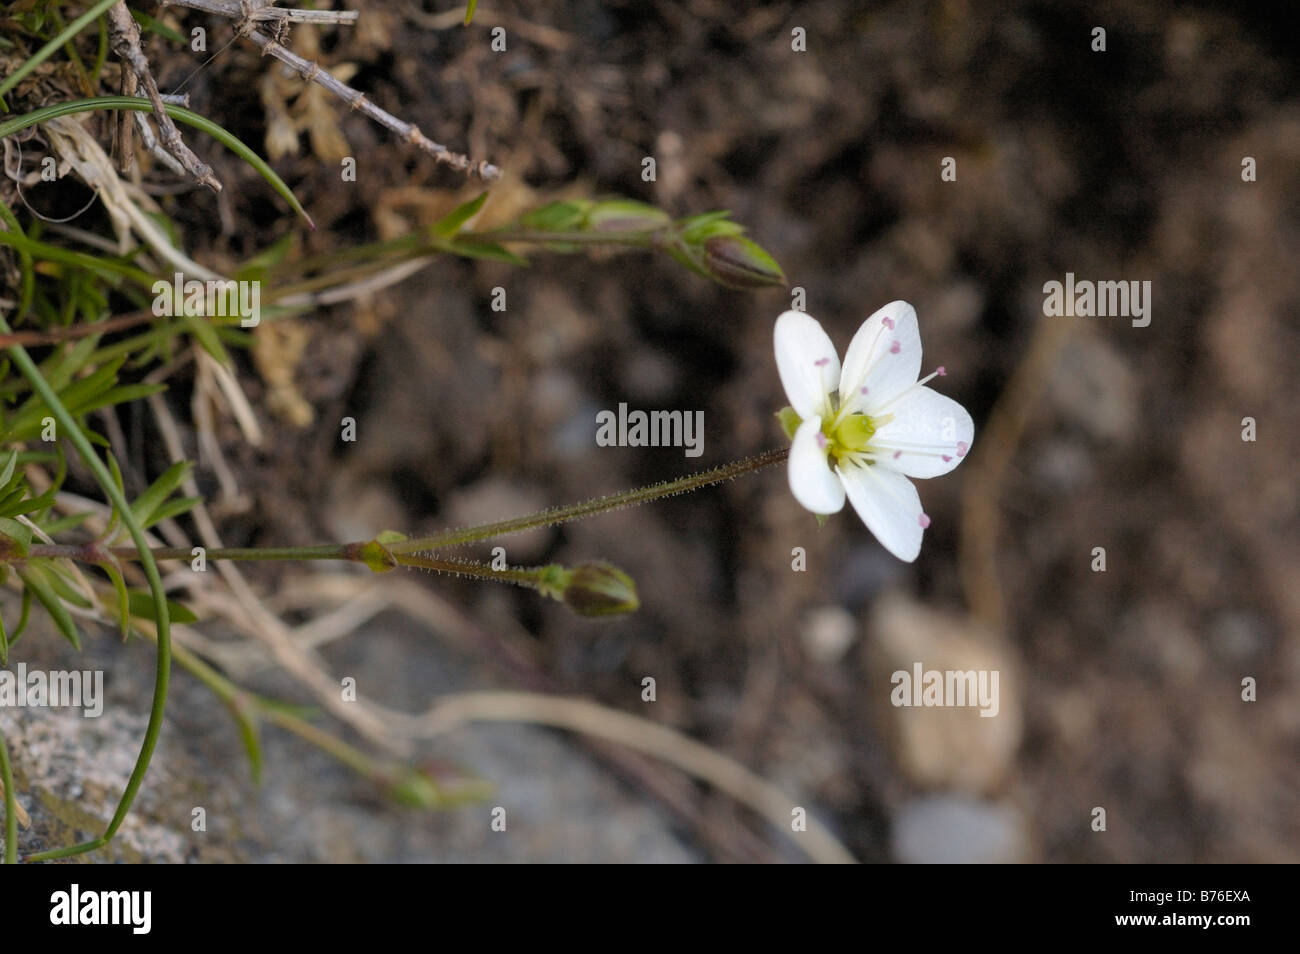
(180, 113)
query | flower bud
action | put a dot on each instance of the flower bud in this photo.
(737, 262)
(598, 589)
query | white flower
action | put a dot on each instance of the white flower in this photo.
(863, 430)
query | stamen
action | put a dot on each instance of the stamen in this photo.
(887, 322)
(911, 451)
(962, 448)
(911, 448)
(895, 347)
(821, 441)
(906, 391)
(822, 362)
(941, 371)
(924, 521)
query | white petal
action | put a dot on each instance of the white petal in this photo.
(888, 504)
(925, 417)
(807, 363)
(871, 361)
(812, 481)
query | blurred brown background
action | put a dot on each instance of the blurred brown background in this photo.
(1119, 690)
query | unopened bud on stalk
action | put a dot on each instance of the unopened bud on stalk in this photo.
(737, 262)
(715, 247)
(592, 589)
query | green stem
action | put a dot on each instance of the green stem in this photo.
(93, 553)
(40, 387)
(640, 239)
(537, 577)
(28, 279)
(11, 805)
(234, 696)
(415, 553)
(626, 498)
(365, 260)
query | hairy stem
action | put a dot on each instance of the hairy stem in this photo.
(626, 498)
(414, 552)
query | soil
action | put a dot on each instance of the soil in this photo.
(1121, 689)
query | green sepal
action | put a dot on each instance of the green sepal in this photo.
(790, 421)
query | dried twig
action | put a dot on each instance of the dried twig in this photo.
(125, 36)
(263, 11)
(248, 14)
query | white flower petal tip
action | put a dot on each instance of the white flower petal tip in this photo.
(869, 425)
(884, 356)
(889, 505)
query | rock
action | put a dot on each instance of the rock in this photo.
(1094, 388)
(949, 746)
(1239, 635)
(69, 772)
(952, 829)
(828, 633)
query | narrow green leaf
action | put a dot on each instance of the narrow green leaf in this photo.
(16, 537)
(491, 251)
(64, 524)
(148, 502)
(122, 394)
(451, 223)
(38, 587)
(559, 216)
(209, 341)
(123, 601)
(259, 266)
(697, 228)
(8, 470)
(12, 498)
(116, 472)
(67, 588)
(150, 25)
(141, 605)
(24, 615)
(27, 504)
(250, 736)
(172, 508)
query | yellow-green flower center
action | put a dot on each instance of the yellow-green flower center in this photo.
(849, 433)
